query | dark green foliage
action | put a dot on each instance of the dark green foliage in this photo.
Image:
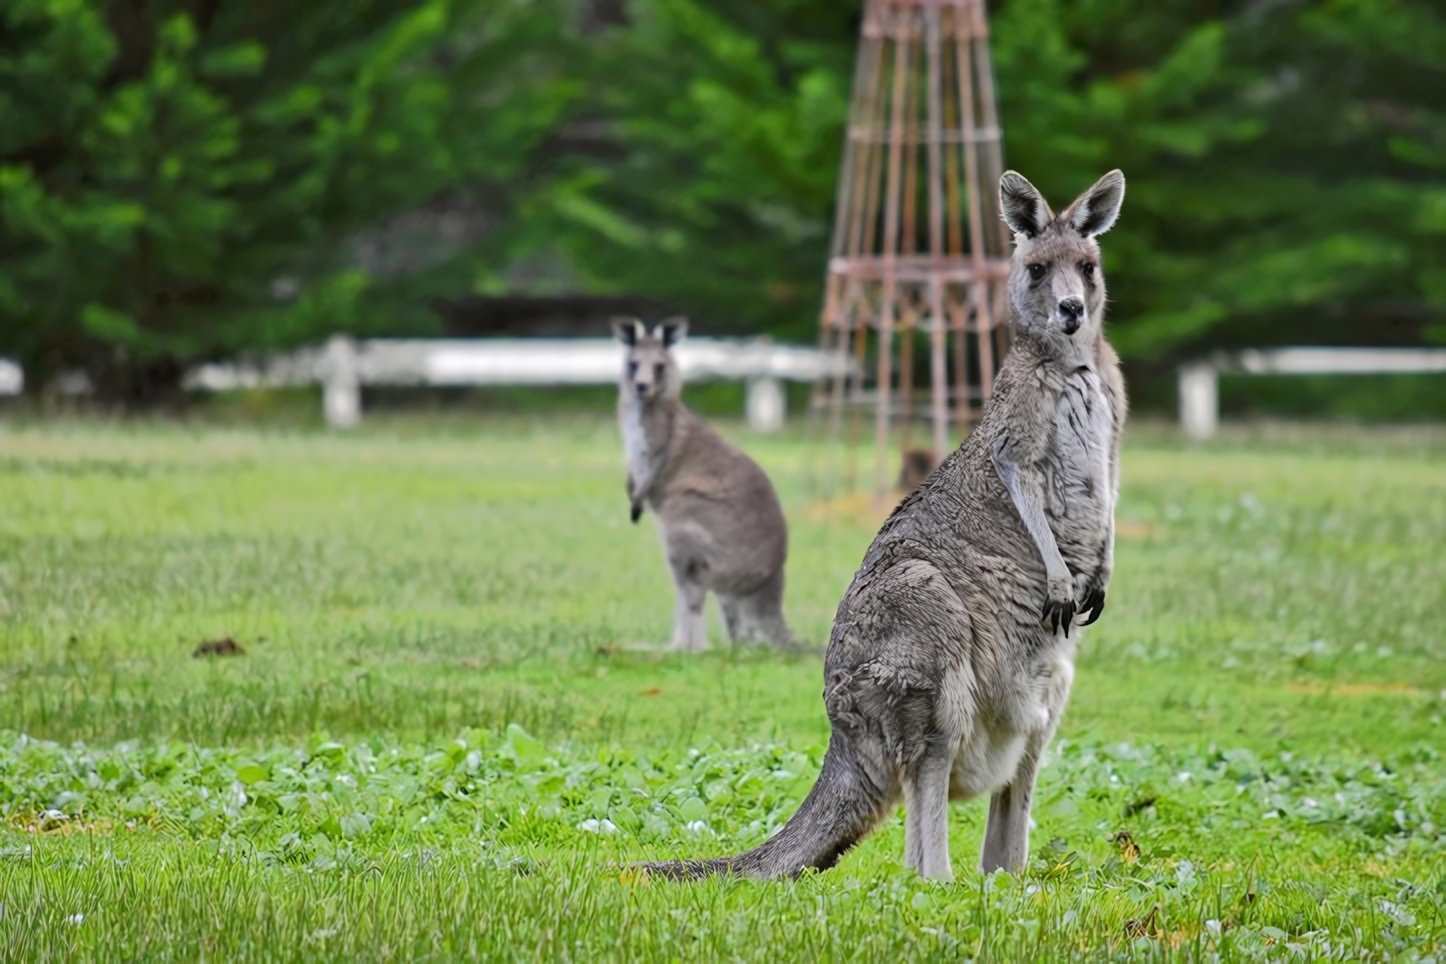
(1285, 162)
(176, 178)
(729, 122)
(1282, 189)
(168, 170)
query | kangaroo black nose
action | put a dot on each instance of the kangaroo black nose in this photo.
(640, 388)
(1071, 313)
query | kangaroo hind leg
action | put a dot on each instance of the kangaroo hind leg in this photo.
(690, 623)
(688, 550)
(732, 618)
(1006, 835)
(757, 616)
(926, 817)
(907, 636)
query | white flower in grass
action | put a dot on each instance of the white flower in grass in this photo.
(698, 827)
(1398, 914)
(75, 918)
(598, 826)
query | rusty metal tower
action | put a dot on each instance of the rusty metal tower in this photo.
(920, 256)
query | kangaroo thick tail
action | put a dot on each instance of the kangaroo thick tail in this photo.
(841, 809)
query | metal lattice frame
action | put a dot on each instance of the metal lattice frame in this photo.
(919, 252)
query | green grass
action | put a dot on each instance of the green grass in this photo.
(452, 723)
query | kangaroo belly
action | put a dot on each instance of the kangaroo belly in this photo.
(987, 760)
(1012, 709)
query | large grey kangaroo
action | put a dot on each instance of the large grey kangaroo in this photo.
(952, 652)
(723, 529)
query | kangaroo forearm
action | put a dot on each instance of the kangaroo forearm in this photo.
(1109, 554)
(1027, 493)
(635, 498)
(638, 487)
(1107, 557)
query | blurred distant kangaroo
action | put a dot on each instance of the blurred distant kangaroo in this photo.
(952, 655)
(723, 529)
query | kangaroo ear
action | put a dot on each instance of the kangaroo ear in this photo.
(628, 330)
(672, 330)
(1094, 211)
(1022, 206)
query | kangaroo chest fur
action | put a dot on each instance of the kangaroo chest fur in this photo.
(1079, 496)
(643, 451)
(635, 440)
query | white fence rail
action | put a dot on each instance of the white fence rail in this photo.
(343, 367)
(1200, 380)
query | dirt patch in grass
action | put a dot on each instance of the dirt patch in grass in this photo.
(856, 508)
(218, 647)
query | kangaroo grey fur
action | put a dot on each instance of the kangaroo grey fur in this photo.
(722, 527)
(952, 652)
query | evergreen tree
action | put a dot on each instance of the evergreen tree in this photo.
(177, 178)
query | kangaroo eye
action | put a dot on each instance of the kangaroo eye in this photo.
(1036, 271)
(658, 371)
(632, 368)
(1088, 268)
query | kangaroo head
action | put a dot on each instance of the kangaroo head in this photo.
(1055, 284)
(650, 371)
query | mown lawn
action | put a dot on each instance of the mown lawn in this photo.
(452, 723)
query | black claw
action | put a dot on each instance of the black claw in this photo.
(1060, 614)
(637, 512)
(1096, 605)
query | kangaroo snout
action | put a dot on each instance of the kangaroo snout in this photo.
(1071, 314)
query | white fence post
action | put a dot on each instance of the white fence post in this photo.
(1199, 399)
(765, 404)
(12, 377)
(341, 383)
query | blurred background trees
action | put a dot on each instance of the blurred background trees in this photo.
(180, 180)
(184, 180)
